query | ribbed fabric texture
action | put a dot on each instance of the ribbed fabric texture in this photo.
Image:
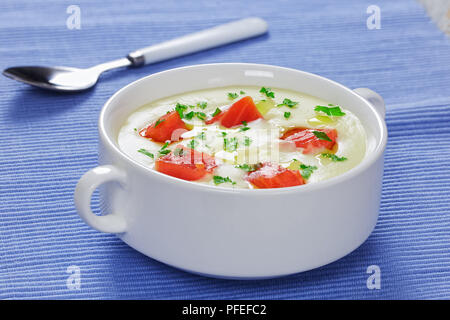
(48, 140)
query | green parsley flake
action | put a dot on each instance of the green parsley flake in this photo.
(333, 111)
(180, 108)
(216, 112)
(147, 153)
(321, 135)
(242, 92)
(232, 95)
(267, 92)
(244, 128)
(158, 122)
(247, 141)
(163, 151)
(288, 103)
(287, 115)
(333, 157)
(201, 135)
(307, 170)
(201, 115)
(230, 144)
(219, 180)
(246, 167)
(192, 144)
(189, 115)
(178, 152)
(202, 105)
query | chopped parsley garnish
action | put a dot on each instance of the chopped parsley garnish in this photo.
(321, 135)
(158, 122)
(246, 167)
(244, 128)
(333, 157)
(201, 115)
(287, 115)
(135, 129)
(189, 115)
(180, 108)
(216, 112)
(147, 153)
(304, 169)
(307, 170)
(242, 92)
(202, 105)
(201, 135)
(247, 141)
(288, 103)
(331, 111)
(230, 144)
(192, 144)
(232, 95)
(163, 151)
(178, 152)
(224, 134)
(267, 92)
(219, 180)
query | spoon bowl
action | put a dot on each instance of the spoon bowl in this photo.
(55, 78)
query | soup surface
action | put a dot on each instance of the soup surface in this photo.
(245, 137)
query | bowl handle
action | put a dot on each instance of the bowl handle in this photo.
(110, 223)
(374, 99)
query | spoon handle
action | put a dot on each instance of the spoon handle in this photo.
(198, 41)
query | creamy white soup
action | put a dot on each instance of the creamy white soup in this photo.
(245, 137)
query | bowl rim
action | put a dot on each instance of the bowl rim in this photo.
(364, 165)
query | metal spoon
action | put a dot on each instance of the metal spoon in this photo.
(75, 79)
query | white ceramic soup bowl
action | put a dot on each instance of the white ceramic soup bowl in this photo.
(241, 233)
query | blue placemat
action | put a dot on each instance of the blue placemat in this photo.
(48, 140)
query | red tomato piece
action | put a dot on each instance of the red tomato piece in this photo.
(240, 111)
(271, 175)
(186, 163)
(306, 139)
(165, 128)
